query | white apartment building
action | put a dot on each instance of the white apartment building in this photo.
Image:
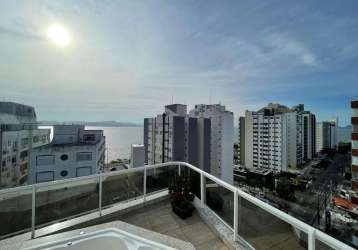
(19, 133)
(275, 137)
(326, 135)
(174, 136)
(221, 137)
(137, 155)
(73, 152)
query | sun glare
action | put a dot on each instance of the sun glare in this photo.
(59, 35)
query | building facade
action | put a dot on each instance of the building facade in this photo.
(354, 106)
(19, 133)
(278, 137)
(309, 136)
(222, 138)
(73, 152)
(240, 151)
(174, 136)
(326, 136)
(137, 156)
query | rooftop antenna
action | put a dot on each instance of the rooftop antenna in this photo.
(172, 99)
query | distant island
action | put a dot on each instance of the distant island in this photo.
(93, 124)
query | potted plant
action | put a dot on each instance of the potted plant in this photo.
(182, 197)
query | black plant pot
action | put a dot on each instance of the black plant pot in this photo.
(182, 208)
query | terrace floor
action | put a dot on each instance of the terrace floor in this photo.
(260, 229)
(160, 218)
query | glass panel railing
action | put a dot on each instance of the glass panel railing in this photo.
(58, 201)
(319, 245)
(193, 179)
(159, 179)
(263, 230)
(15, 210)
(220, 200)
(124, 186)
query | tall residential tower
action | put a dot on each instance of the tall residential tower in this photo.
(222, 138)
(354, 105)
(278, 137)
(174, 136)
(19, 133)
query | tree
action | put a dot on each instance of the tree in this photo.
(284, 188)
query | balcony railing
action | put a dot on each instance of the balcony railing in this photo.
(29, 208)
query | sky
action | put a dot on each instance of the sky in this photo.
(127, 59)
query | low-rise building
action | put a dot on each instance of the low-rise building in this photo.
(73, 152)
(19, 133)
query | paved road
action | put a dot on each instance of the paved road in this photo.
(307, 202)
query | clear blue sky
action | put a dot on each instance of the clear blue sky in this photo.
(128, 58)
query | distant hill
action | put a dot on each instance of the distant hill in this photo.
(93, 124)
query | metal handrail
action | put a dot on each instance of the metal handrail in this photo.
(312, 233)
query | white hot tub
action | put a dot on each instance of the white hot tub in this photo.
(106, 239)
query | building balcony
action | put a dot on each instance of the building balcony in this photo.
(225, 217)
(355, 168)
(354, 120)
(354, 152)
(354, 104)
(354, 136)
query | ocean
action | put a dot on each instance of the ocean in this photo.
(118, 140)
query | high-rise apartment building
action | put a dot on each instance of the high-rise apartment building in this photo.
(278, 137)
(19, 133)
(222, 138)
(73, 152)
(174, 136)
(309, 136)
(241, 141)
(326, 135)
(354, 106)
(137, 155)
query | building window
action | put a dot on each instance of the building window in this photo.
(43, 160)
(64, 173)
(355, 160)
(35, 139)
(89, 137)
(83, 171)
(84, 156)
(44, 176)
(64, 157)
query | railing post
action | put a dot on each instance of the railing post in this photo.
(236, 214)
(311, 240)
(202, 189)
(33, 211)
(100, 195)
(179, 169)
(145, 185)
(239, 205)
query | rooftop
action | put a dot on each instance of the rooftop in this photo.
(226, 217)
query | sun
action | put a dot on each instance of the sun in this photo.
(59, 35)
